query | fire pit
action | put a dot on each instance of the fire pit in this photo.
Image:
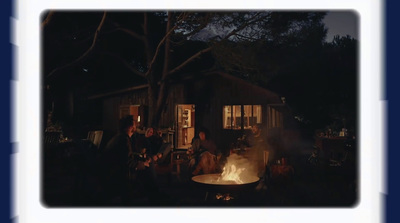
(238, 174)
(236, 180)
(213, 182)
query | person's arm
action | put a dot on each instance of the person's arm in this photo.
(141, 145)
(195, 147)
(213, 147)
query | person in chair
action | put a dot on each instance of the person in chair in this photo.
(203, 154)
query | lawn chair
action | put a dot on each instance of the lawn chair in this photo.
(95, 137)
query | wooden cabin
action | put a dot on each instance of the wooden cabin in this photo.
(225, 105)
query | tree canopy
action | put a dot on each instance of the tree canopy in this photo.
(117, 48)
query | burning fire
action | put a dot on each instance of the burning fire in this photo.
(237, 170)
(225, 197)
(231, 173)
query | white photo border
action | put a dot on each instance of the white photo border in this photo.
(26, 169)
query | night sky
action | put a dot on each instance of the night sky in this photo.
(341, 23)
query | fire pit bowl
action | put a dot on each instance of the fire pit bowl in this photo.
(210, 182)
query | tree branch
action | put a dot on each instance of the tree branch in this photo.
(158, 50)
(125, 63)
(202, 25)
(198, 54)
(48, 19)
(242, 37)
(250, 21)
(127, 31)
(167, 48)
(146, 40)
(95, 38)
(161, 43)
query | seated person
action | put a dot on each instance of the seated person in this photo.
(149, 144)
(153, 146)
(260, 154)
(203, 154)
(114, 160)
(256, 138)
(164, 148)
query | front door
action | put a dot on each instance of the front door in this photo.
(185, 117)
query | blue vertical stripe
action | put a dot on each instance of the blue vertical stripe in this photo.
(392, 92)
(6, 74)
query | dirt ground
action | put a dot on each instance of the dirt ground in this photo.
(67, 184)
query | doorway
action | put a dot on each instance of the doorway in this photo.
(185, 117)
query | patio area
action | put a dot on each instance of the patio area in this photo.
(71, 181)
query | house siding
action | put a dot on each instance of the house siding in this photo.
(209, 94)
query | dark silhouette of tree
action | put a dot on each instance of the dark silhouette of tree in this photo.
(149, 45)
(319, 82)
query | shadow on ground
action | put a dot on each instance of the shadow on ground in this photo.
(71, 182)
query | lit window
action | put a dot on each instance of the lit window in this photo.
(257, 115)
(227, 117)
(236, 116)
(247, 117)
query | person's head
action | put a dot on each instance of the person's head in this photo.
(149, 132)
(256, 129)
(127, 125)
(203, 134)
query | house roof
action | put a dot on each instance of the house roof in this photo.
(255, 88)
(193, 77)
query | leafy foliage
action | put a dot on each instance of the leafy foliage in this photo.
(284, 51)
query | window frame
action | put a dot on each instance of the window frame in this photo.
(228, 117)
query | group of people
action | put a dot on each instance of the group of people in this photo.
(129, 155)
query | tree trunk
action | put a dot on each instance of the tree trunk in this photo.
(163, 85)
(162, 99)
(152, 97)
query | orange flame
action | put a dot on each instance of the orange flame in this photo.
(231, 173)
